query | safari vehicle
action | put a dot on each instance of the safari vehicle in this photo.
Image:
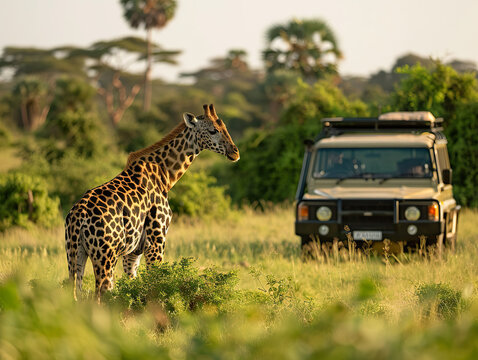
(378, 178)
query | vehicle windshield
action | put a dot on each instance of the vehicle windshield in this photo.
(384, 163)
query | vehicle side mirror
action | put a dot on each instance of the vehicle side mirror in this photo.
(447, 175)
(308, 143)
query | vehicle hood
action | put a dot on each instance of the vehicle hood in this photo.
(401, 192)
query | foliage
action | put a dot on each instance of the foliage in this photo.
(453, 96)
(26, 61)
(72, 94)
(18, 208)
(30, 102)
(71, 176)
(42, 322)
(151, 14)
(133, 135)
(439, 300)
(271, 167)
(178, 286)
(463, 147)
(5, 136)
(237, 91)
(72, 124)
(352, 309)
(148, 13)
(439, 90)
(197, 195)
(308, 46)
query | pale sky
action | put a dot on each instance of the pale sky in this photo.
(371, 33)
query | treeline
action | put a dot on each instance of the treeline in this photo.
(73, 114)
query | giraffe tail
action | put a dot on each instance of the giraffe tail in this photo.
(71, 247)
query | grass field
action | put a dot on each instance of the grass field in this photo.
(281, 307)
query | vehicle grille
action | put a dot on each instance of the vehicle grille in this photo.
(368, 214)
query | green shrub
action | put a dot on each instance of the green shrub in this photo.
(453, 96)
(71, 176)
(178, 286)
(439, 299)
(197, 195)
(133, 136)
(5, 136)
(17, 210)
(40, 322)
(271, 160)
(462, 136)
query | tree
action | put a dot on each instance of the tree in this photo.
(271, 169)
(151, 14)
(438, 89)
(454, 97)
(34, 72)
(72, 124)
(46, 63)
(306, 46)
(31, 97)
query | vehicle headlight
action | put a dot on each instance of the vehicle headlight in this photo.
(412, 213)
(324, 213)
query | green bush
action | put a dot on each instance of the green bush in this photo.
(40, 322)
(71, 176)
(178, 286)
(17, 210)
(5, 136)
(133, 136)
(198, 195)
(439, 89)
(73, 125)
(463, 148)
(453, 96)
(271, 160)
(438, 300)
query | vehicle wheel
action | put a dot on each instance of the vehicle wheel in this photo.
(308, 247)
(304, 241)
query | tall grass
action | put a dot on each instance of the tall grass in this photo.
(281, 306)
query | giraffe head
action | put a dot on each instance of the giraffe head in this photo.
(211, 133)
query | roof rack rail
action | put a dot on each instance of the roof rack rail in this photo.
(394, 122)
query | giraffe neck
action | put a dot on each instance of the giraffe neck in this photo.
(177, 156)
(167, 160)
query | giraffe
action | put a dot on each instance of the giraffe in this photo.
(129, 215)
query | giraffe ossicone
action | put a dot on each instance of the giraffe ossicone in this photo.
(129, 215)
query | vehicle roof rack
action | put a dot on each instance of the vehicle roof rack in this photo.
(401, 122)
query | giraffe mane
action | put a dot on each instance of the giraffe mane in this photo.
(147, 150)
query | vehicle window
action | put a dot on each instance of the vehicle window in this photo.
(373, 162)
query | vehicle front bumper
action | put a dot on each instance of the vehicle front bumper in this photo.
(399, 232)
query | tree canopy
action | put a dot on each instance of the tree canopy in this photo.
(307, 46)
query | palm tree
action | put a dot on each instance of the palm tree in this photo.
(151, 14)
(306, 46)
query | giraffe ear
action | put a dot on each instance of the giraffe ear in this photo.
(190, 120)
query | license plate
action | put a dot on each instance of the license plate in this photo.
(367, 235)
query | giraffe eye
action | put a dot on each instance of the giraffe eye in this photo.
(213, 131)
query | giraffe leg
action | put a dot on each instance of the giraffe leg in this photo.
(154, 251)
(155, 229)
(131, 264)
(81, 258)
(104, 275)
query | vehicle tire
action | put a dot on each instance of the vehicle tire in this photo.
(308, 247)
(305, 241)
